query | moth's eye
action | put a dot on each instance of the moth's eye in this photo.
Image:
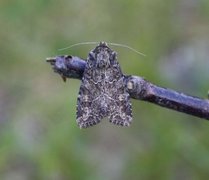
(92, 56)
(113, 56)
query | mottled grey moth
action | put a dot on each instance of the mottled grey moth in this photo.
(103, 91)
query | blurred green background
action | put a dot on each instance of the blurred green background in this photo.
(39, 137)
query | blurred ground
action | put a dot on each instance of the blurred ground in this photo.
(39, 138)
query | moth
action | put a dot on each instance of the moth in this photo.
(103, 92)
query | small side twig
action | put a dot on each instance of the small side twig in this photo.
(138, 88)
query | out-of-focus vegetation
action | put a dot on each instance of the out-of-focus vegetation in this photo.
(39, 137)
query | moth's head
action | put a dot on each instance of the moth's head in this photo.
(102, 55)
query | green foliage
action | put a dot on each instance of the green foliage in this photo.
(39, 137)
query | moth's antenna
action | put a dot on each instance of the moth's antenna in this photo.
(113, 44)
(126, 46)
(77, 44)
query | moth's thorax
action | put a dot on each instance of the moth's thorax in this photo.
(102, 56)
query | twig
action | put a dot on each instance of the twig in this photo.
(138, 88)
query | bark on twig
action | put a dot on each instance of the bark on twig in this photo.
(138, 88)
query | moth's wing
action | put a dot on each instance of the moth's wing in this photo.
(88, 111)
(121, 113)
(120, 108)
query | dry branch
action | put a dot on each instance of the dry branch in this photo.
(138, 88)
